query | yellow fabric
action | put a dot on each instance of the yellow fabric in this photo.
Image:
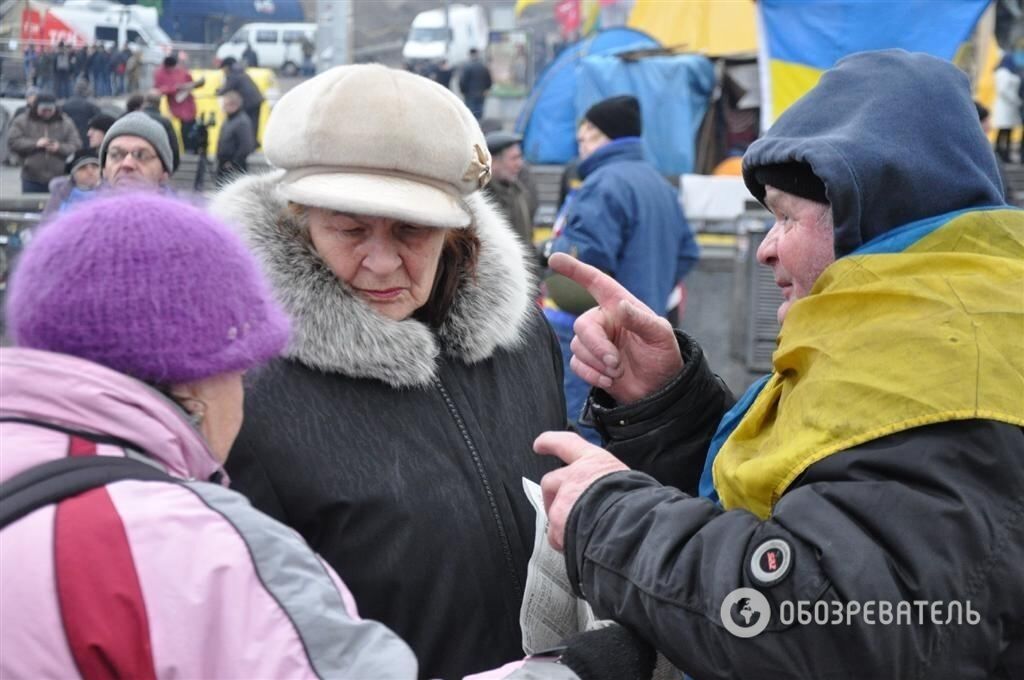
(886, 343)
(714, 27)
(789, 82)
(208, 102)
(523, 4)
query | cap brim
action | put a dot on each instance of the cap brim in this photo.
(378, 196)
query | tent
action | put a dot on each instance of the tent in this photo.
(548, 119)
(713, 27)
(673, 91)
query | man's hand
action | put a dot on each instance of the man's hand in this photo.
(42, 142)
(621, 345)
(585, 464)
(53, 147)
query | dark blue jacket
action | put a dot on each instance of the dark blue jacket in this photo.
(627, 220)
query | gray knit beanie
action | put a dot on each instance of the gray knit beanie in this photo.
(140, 124)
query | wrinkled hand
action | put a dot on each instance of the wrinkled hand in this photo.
(585, 464)
(42, 143)
(621, 345)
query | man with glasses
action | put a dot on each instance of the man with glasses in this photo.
(135, 154)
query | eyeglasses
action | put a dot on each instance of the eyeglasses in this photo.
(140, 155)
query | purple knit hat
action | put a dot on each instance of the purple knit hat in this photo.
(148, 286)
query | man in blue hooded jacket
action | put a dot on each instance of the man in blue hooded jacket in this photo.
(859, 513)
(625, 219)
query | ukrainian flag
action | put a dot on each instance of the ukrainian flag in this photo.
(800, 39)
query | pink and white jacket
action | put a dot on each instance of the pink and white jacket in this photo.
(148, 579)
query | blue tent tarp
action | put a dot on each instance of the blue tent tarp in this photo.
(673, 91)
(548, 120)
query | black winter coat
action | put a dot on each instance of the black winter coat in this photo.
(399, 452)
(934, 513)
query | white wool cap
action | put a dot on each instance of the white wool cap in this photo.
(371, 140)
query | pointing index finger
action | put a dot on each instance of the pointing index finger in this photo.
(602, 287)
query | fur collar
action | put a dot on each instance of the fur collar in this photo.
(335, 331)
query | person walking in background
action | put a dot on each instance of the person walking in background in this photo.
(43, 138)
(626, 220)
(45, 70)
(474, 83)
(412, 300)
(99, 70)
(134, 318)
(31, 56)
(236, 139)
(62, 71)
(175, 82)
(81, 109)
(1006, 111)
(236, 79)
(249, 57)
(133, 68)
(118, 66)
(505, 188)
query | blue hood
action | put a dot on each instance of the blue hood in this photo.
(895, 138)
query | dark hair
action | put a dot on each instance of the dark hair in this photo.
(101, 121)
(459, 257)
(170, 61)
(134, 102)
(982, 111)
(228, 62)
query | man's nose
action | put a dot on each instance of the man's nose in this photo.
(767, 252)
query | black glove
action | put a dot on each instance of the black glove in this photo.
(610, 653)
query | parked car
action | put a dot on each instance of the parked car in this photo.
(277, 45)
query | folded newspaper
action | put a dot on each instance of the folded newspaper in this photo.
(550, 612)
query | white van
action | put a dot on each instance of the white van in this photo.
(429, 42)
(277, 46)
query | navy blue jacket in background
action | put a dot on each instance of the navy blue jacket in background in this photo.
(626, 220)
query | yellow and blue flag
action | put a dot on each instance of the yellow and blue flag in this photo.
(801, 39)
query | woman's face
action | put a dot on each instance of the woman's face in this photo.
(391, 265)
(221, 398)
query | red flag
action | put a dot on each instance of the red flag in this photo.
(567, 14)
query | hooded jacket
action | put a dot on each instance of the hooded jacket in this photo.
(893, 547)
(40, 165)
(150, 578)
(398, 451)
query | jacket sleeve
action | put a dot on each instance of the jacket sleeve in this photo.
(69, 139)
(19, 140)
(930, 515)
(689, 252)
(595, 228)
(308, 626)
(666, 434)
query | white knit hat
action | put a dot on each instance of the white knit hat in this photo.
(371, 140)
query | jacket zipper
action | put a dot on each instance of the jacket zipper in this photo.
(478, 464)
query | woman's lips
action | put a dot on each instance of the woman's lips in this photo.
(383, 294)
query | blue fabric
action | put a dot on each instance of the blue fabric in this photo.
(626, 220)
(548, 119)
(894, 173)
(729, 422)
(576, 389)
(77, 196)
(673, 92)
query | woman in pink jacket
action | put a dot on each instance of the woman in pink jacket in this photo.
(135, 318)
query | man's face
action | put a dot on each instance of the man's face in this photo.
(799, 246)
(95, 137)
(46, 111)
(132, 162)
(507, 164)
(87, 177)
(589, 139)
(232, 104)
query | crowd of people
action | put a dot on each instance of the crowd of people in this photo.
(111, 71)
(315, 397)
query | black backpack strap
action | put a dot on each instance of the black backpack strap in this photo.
(56, 480)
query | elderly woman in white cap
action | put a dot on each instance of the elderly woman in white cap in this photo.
(395, 433)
